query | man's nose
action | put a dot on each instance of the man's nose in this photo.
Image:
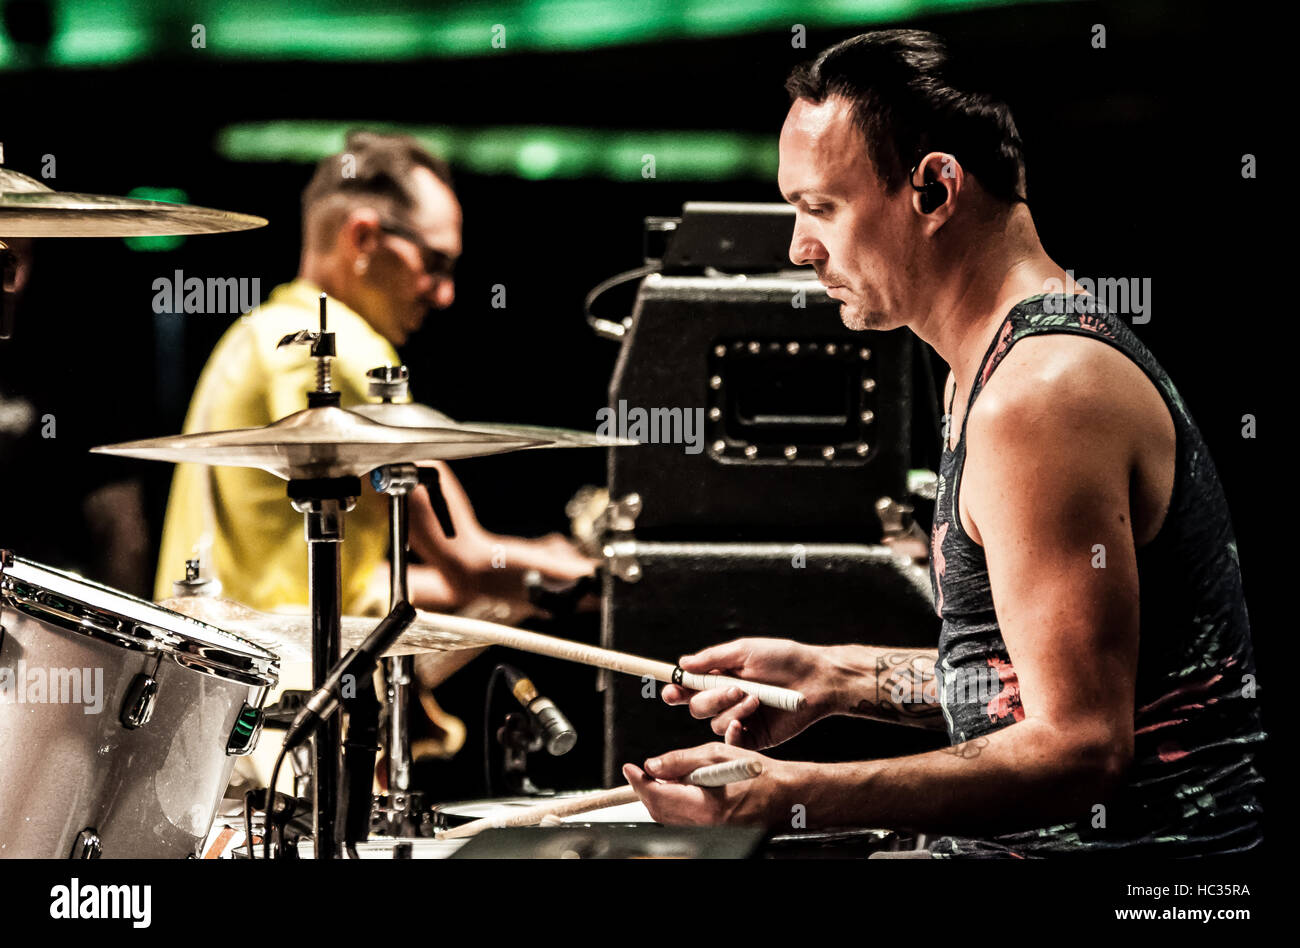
(805, 249)
(443, 293)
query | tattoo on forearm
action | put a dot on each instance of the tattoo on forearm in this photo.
(967, 750)
(905, 687)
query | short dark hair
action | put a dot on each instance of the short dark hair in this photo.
(373, 170)
(909, 98)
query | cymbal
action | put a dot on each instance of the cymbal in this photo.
(442, 652)
(289, 636)
(30, 209)
(319, 442)
(413, 415)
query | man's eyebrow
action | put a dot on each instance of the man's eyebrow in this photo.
(797, 196)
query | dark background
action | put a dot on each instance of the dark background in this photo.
(1134, 158)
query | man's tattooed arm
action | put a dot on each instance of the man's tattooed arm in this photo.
(895, 685)
(967, 750)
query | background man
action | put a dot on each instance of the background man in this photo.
(381, 236)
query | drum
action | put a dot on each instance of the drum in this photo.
(120, 721)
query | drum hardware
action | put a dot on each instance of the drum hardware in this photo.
(389, 383)
(323, 501)
(141, 695)
(321, 451)
(194, 584)
(356, 668)
(244, 735)
(409, 810)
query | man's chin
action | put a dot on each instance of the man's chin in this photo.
(854, 318)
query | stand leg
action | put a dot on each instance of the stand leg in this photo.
(324, 534)
(399, 671)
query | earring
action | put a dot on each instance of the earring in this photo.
(361, 265)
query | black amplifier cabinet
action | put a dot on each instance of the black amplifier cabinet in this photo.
(766, 418)
(664, 600)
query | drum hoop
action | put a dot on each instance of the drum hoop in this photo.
(61, 599)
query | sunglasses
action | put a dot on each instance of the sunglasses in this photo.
(436, 263)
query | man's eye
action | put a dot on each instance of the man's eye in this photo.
(818, 211)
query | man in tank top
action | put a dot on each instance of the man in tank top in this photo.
(1094, 671)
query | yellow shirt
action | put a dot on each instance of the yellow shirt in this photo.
(239, 520)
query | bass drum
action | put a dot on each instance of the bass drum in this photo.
(120, 721)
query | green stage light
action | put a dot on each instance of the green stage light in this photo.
(92, 33)
(167, 196)
(535, 153)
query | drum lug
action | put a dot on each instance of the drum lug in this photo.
(137, 707)
(244, 735)
(87, 845)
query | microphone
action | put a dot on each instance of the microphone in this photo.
(324, 701)
(557, 733)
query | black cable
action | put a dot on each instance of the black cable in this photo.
(249, 796)
(487, 727)
(270, 801)
(612, 282)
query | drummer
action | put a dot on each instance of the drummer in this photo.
(381, 236)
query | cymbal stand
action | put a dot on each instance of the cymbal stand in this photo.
(323, 502)
(399, 808)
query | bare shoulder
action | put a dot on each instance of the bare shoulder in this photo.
(1060, 387)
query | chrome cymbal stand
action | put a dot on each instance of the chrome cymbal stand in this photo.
(389, 383)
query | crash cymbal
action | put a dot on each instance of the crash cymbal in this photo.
(30, 209)
(319, 442)
(412, 415)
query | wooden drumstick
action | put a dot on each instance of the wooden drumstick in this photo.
(713, 775)
(729, 771)
(478, 630)
(535, 814)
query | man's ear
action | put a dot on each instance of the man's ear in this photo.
(361, 230)
(937, 182)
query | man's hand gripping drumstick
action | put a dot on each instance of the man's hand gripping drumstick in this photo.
(714, 775)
